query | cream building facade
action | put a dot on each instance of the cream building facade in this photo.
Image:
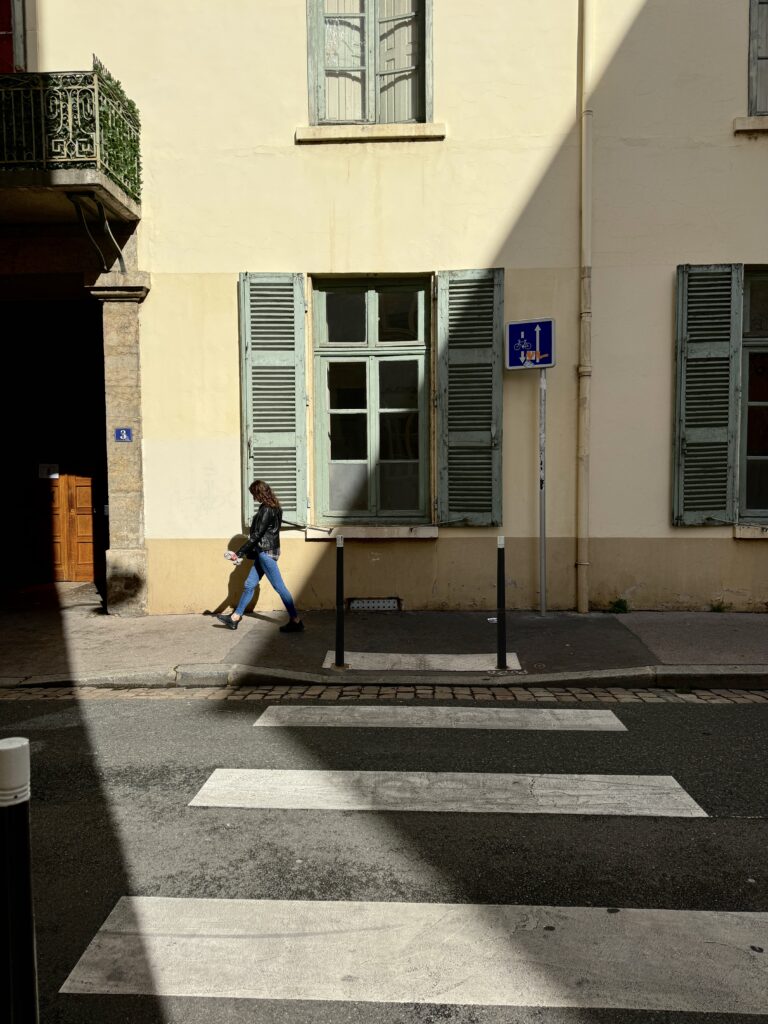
(343, 202)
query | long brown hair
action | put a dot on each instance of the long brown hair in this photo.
(263, 494)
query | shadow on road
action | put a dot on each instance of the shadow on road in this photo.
(78, 863)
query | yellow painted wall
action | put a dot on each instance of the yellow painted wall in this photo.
(226, 190)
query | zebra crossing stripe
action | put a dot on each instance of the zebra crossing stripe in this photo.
(388, 717)
(465, 954)
(468, 792)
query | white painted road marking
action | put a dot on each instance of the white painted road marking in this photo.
(366, 661)
(674, 960)
(388, 717)
(470, 792)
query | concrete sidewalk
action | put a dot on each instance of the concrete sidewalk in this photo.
(59, 635)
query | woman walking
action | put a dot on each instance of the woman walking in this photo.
(263, 546)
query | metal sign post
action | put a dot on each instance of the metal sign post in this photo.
(531, 346)
(542, 491)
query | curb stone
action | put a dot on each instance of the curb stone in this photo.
(745, 677)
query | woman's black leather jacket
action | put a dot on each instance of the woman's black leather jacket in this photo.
(265, 533)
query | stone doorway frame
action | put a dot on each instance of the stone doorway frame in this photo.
(121, 294)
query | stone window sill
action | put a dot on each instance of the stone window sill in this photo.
(315, 134)
(751, 531)
(751, 125)
(372, 533)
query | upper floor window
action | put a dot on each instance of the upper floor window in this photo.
(12, 36)
(369, 61)
(758, 57)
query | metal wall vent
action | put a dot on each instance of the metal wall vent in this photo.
(374, 604)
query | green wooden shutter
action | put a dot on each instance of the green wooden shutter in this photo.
(470, 311)
(709, 312)
(400, 63)
(274, 389)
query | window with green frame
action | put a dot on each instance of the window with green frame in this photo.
(758, 57)
(369, 61)
(753, 497)
(721, 443)
(372, 399)
(404, 430)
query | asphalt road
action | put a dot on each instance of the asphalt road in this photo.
(113, 779)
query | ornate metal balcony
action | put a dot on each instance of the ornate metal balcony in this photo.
(69, 121)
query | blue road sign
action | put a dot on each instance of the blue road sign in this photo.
(530, 345)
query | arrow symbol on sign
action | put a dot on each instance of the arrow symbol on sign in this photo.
(537, 332)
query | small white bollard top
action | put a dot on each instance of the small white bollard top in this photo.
(14, 771)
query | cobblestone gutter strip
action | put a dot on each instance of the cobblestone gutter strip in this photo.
(218, 674)
(350, 693)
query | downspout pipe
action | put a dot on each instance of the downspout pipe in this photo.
(584, 370)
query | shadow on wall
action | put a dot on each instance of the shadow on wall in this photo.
(551, 212)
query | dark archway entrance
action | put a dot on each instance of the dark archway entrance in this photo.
(55, 516)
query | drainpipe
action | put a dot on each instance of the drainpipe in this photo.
(585, 315)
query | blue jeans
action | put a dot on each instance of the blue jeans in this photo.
(265, 565)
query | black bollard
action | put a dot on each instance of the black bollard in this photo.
(501, 608)
(18, 957)
(339, 602)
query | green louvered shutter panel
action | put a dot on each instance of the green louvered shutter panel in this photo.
(470, 313)
(274, 390)
(400, 65)
(709, 312)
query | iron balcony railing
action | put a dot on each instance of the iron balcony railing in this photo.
(70, 120)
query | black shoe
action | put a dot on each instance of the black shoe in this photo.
(292, 627)
(228, 621)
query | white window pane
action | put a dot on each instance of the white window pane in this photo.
(343, 43)
(348, 487)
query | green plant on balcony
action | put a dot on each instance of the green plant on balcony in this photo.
(71, 120)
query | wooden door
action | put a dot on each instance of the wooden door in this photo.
(72, 528)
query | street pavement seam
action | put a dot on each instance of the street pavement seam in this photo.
(477, 694)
